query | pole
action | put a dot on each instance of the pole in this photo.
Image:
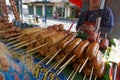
(21, 10)
(63, 1)
(98, 21)
(45, 11)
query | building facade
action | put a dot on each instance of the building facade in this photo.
(63, 8)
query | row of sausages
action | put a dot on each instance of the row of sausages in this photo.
(82, 50)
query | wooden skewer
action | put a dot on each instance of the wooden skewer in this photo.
(60, 70)
(90, 78)
(21, 43)
(64, 66)
(60, 61)
(44, 59)
(95, 78)
(36, 48)
(29, 54)
(12, 35)
(13, 53)
(53, 57)
(72, 78)
(24, 45)
(53, 65)
(83, 64)
(1, 32)
(36, 56)
(71, 74)
(14, 38)
(84, 78)
(67, 62)
(12, 42)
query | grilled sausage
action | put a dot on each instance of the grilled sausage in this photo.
(81, 48)
(55, 38)
(100, 72)
(93, 37)
(70, 47)
(92, 50)
(66, 41)
(45, 34)
(87, 70)
(97, 61)
(104, 43)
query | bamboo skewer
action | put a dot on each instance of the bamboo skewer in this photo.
(44, 59)
(14, 38)
(16, 34)
(53, 65)
(84, 78)
(24, 45)
(95, 78)
(71, 74)
(12, 42)
(83, 64)
(60, 70)
(36, 56)
(1, 32)
(53, 57)
(67, 62)
(28, 54)
(90, 78)
(60, 61)
(64, 66)
(23, 42)
(36, 48)
(72, 78)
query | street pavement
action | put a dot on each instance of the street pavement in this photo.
(50, 21)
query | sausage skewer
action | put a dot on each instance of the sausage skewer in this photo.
(69, 48)
(78, 52)
(91, 52)
(62, 45)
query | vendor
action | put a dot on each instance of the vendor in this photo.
(88, 18)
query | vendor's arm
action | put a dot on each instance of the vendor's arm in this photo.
(107, 22)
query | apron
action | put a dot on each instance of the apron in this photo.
(89, 27)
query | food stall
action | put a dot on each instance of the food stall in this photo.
(53, 53)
